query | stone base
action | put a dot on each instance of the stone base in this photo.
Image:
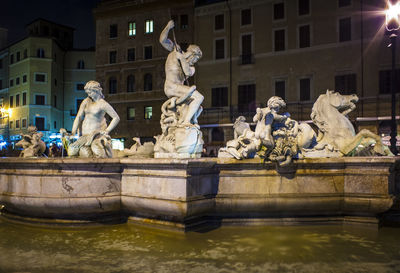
(177, 155)
(192, 193)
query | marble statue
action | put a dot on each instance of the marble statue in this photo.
(90, 123)
(139, 150)
(280, 139)
(32, 143)
(335, 131)
(181, 136)
(244, 144)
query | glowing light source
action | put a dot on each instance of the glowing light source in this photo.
(393, 16)
(5, 112)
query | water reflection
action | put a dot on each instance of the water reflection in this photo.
(128, 248)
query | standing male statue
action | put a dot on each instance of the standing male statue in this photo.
(178, 68)
(181, 137)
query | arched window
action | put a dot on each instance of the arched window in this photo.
(130, 83)
(81, 64)
(148, 82)
(217, 135)
(40, 53)
(112, 85)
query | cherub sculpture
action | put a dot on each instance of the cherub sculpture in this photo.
(32, 143)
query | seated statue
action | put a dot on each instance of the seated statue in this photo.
(32, 143)
(90, 122)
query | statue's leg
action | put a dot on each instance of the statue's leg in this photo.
(193, 107)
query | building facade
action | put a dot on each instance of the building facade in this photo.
(43, 72)
(297, 50)
(252, 50)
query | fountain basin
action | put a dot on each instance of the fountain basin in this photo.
(185, 193)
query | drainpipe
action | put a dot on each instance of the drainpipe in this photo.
(362, 57)
(230, 61)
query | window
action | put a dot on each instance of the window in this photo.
(11, 124)
(217, 135)
(113, 57)
(184, 21)
(40, 53)
(55, 82)
(114, 31)
(18, 56)
(24, 78)
(80, 86)
(24, 123)
(24, 98)
(55, 102)
(345, 29)
(39, 123)
(1, 84)
(305, 89)
(131, 28)
(247, 56)
(219, 49)
(17, 124)
(131, 54)
(46, 30)
(131, 113)
(17, 81)
(40, 77)
(304, 36)
(344, 3)
(247, 98)
(346, 84)
(1, 63)
(11, 101)
(246, 17)
(148, 82)
(40, 100)
(17, 100)
(130, 83)
(279, 40)
(279, 11)
(304, 7)
(55, 124)
(149, 26)
(11, 58)
(25, 53)
(385, 81)
(11, 83)
(280, 86)
(148, 112)
(112, 84)
(148, 52)
(219, 97)
(81, 64)
(219, 22)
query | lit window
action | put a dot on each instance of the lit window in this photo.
(148, 112)
(149, 26)
(131, 113)
(132, 28)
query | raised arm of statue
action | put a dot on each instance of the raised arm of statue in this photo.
(164, 41)
(79, 117)
(115, 118)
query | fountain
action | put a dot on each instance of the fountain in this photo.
(281, 173)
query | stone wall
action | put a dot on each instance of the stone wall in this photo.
(187, 193)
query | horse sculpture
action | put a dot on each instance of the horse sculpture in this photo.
(335, 130)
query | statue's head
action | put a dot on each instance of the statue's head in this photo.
(193, 54)
(93, 88)
(276, 103)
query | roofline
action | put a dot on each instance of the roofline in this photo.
(48, 21)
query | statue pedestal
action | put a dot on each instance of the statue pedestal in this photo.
(181, 142)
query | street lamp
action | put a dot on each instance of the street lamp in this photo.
(392, 25)
(6, 113)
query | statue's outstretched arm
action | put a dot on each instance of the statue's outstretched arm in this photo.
(115, 118)
(164, 41)
(79, 117)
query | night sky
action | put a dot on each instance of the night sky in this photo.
(15, 14)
